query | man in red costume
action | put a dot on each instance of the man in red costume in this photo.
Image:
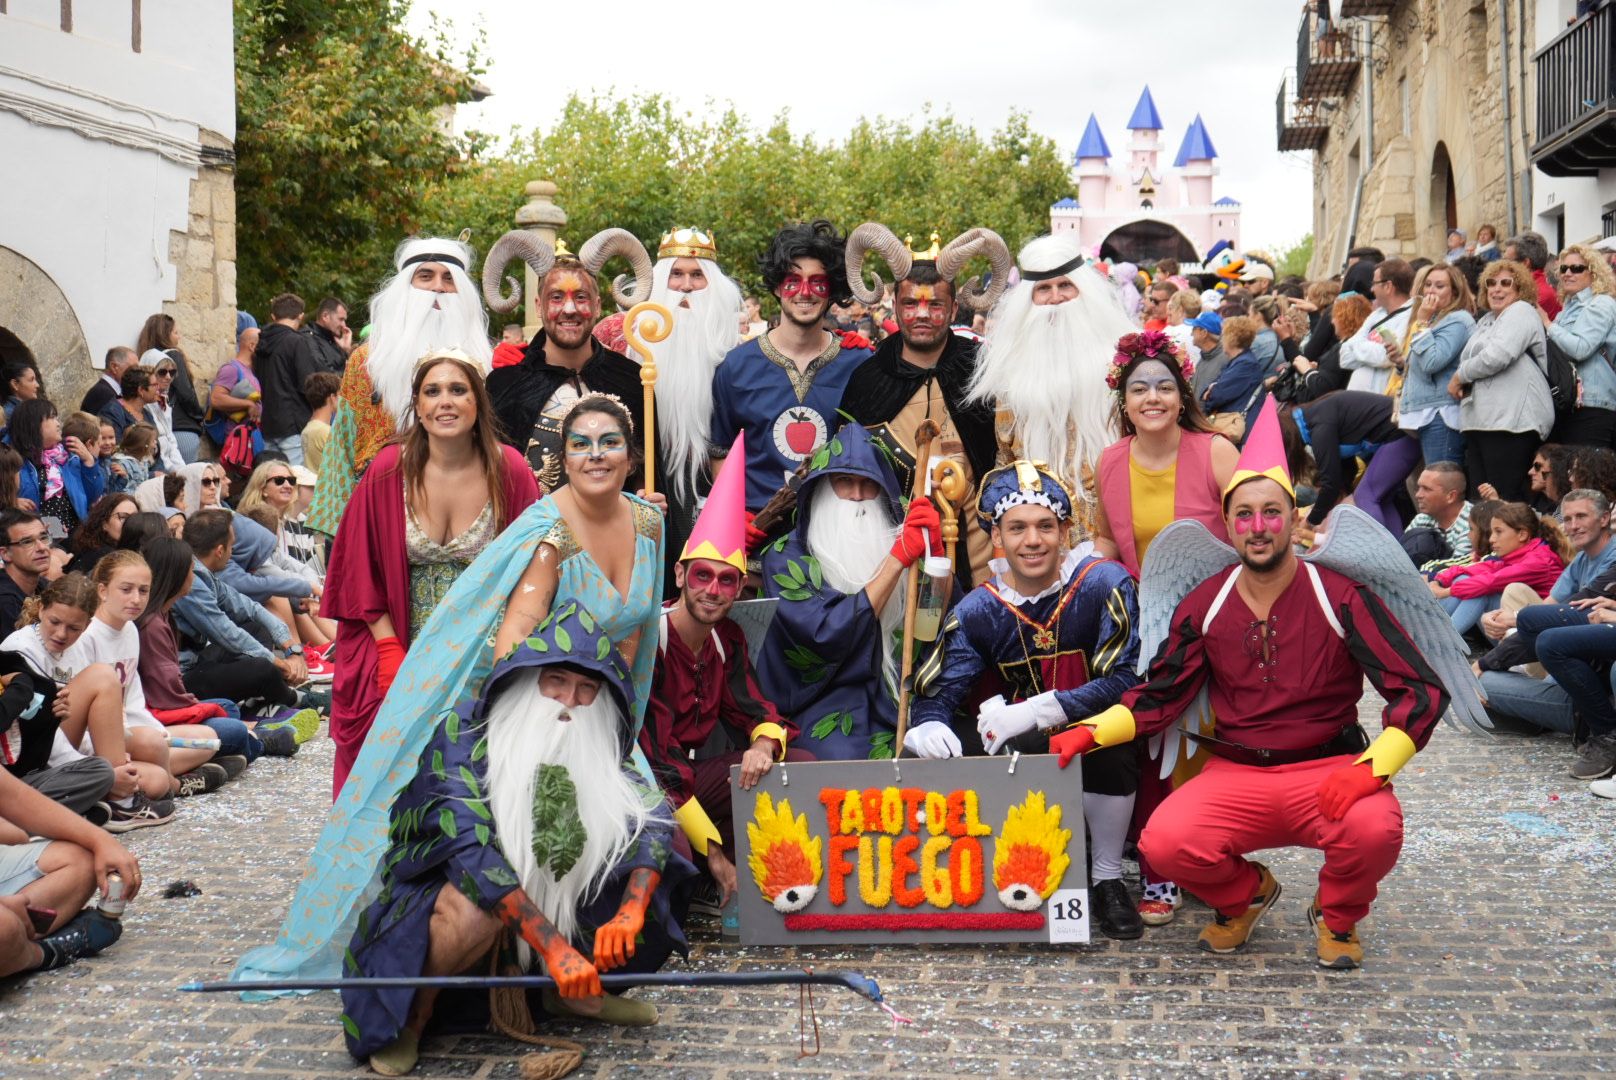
(1282, 647)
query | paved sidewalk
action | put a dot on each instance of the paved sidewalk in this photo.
(1490, 954)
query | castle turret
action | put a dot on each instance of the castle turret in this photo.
(1195, 164)
(1143, 148)
(1092, 168)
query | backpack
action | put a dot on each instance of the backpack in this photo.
(239, 450)
(1561, 372)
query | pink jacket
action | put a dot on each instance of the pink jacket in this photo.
(1535, 564)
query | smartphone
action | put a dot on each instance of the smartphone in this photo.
(42, 918)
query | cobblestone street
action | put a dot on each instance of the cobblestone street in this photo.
(1489, 954)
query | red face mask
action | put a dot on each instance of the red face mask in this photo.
(720, 583)
(1269, 521)
(795, 285)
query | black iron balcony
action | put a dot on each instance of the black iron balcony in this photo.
(1576, 98)
(1302, 125)
(1327, 58)
(1358, 8)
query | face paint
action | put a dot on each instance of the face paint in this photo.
(1269, 521)
(579, 443)
(721, 583)
(816, 285)
(568, 295)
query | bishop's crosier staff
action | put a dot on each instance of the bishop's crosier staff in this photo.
(640, 335)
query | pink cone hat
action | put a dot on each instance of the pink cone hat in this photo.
(1263, 455)
(720, 532)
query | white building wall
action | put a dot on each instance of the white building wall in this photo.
(1568, 206)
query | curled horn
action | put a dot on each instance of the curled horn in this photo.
(531, 248)
(967, 246)
(872, 236)
(608, 242)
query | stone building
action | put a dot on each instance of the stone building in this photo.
(1419, 114)
(1574, 191)
(118, 120)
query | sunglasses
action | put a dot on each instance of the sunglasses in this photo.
(1570, 268)
(166, 371)
(210, 481)
(280, 480)
(1499, 282)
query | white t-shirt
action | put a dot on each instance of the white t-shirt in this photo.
(120, 650)
(28, 644)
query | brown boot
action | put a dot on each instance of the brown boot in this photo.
(1338, 952)
(1227, 933)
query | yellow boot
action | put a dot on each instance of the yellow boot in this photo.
(1338, 952)
(1228, 934)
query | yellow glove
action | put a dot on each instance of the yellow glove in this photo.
(1113, 727)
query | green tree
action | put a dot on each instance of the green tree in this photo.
(341, 127)
(1294, 259)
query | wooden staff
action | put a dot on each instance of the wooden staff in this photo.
(640, 334)
(948, 481)
(924, 434)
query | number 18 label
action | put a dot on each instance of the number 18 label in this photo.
(1069, 916)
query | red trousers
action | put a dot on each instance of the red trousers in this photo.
(1199, 835)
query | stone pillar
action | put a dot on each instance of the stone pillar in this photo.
(204, 259)
(539, 214)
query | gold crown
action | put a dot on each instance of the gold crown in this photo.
(561, 251)
(687, 244)
(928, 255)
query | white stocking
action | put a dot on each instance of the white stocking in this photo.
(1107, 817)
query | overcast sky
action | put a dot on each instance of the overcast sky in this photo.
(1056, 60)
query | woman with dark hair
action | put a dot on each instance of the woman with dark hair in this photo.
(100, 531)
(58, 476)
(427, 505)
(140, 528)
(1593, 468)
(162, 336)
(22, 382)
(1548, 478)
(1523, 548)
(11, 482)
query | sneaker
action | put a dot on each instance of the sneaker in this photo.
(191, 783)
(141, 813)
(99, 814)
(202, 780)
(278, 740)
(704, 900)
(312, 698)
(319, 670)
(1229, 933)
(87, 934)
(318, 652)
(232, 764)
(1605, 789)
(1338, 952)
(1114, 912)
(1597, 758)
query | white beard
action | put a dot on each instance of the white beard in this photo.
(851, 541)
(1046, 366)
(405, 326)
(702, 335)
(525, 731)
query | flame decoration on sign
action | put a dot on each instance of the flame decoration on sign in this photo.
(1029, 858)
(785, 859)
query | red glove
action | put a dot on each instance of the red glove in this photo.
(1346, 786)
(389, 655)
(910, 545)
(1072, 742)
(754, 535)
(852, 339)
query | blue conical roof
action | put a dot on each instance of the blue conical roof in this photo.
(1197, 145)
(1145, 117)
(1092, 144)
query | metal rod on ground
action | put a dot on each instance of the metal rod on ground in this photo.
(640, 333)
(924, 434)
(862, 985)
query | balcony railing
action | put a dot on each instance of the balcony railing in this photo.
(1302, 125)
(1357, 8)
(1327, 58)
(1576, 98)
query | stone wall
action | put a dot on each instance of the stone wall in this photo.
(34, 309)
(1438, 113)
(204, 260)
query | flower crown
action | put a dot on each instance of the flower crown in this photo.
(1146, 345)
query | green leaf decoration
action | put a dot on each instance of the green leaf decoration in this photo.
(780, 544)
(483, 835)
(437, 765)
(796, 594)
(446, 822)
(480, 808)
(881, 745)
(350, 1027)
(539, 644)
(350, 962)
(480, 751)
(785, 581)
(814, 574)
(468, 886)
(836, 446)
(811, 677)
(586, 620)
(603, 649)
(451, 727)
(825, 726)
(558, 832)
(847, 723)
(563, 639)
(469, 778)
(498, 875)
(796, 572)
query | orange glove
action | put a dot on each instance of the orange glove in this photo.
(1346, 786)
(910, 545)
(574, 976)
(1072, 742)
(389, 657)
(614, 942)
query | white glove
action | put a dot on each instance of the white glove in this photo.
(933, 739)
(998, 723)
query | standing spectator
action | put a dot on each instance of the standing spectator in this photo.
(1585, 330)
(1456, 246)
(1530, 248)
(1258, 278)
(1486, 243)
(60, 476)
(1371, 353)
(129, 407)
(1206, 331)
(119, 359)
(235, 397)
(320, 393)
(755, 323)
(1505, 407)
(22, 383)
(283, 363)
(1442, 325)
(1443, 518)
(162, 337)
(1342, 427)
(27, 558)
(330, 338)
(1157, 298)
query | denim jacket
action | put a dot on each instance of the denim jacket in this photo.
(1433, 357)
(1586, 330)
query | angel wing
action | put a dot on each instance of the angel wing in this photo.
(1182, 555)
(754, 617)
(1358, 546)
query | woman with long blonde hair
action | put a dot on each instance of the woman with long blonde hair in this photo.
(1438, 331)
(1585, 330)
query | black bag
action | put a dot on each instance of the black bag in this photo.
(1561, 372)
(1424, 544)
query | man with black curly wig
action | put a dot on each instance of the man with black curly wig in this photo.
(782, 387)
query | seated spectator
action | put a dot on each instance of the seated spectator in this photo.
(1457, 248)
(1441, 326)
(27, 561)
(99, 534)
(129, 407)
(1547, 478)
(273, 487)
(1593, 467)
(1585, 331)
(830, 656)
(1439, 535)
(1586, 518)
(135, 458)
(57, 872)
(170, 701)
(320, 391)
(1525, 548)
(86, 429)
(1505, 407)
(141, 527)
(59, 475)
(119, 358)
(230, 646)
(10, 482)
(91, 713)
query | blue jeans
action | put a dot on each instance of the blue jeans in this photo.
(1439, 442)
(1533, 619)
(1569, 654)
(290, 445)
(189, 443)
(1537, 701)
(1467, 613)
(234, 736)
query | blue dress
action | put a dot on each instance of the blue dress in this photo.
(446, 665)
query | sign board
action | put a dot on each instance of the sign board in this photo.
(962, 849)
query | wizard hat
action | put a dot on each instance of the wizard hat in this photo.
(1263, 455)
(720, 532)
